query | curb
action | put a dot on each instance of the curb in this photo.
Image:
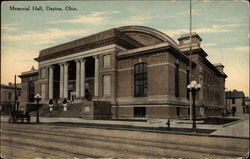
(235, 122)
(148, 129)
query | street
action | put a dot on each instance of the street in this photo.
(30, 141)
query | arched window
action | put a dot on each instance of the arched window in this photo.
(140, 80)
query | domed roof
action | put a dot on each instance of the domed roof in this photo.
(146, 35)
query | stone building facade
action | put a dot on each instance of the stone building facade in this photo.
(7, 99)
(29, 87)
(141, 72)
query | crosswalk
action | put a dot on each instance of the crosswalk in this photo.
(30, 141)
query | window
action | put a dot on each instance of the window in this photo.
(106, 61)
(233, 100)
(177, 80)
(178, 111)
(139, 111)
(106, 85)
(31, 91)
(233, 109)
(9, 96)
(140, 80)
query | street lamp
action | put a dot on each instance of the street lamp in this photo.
(37, 99)
(194, 87)
(50, 105)
(65, 104)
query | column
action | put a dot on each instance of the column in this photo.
(61, 80)
(66, 65)
(51, 73)
(96, 74)
(82, 82)
(77, 78)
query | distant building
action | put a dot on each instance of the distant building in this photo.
(138, 71)
(235, 102)
(29, 80)
(247, 104)
(8, 96)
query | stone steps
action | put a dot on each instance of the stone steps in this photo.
(73, 110)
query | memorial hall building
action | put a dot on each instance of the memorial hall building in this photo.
(127, 72)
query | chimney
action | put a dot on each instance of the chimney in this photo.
(10, 84)
(184, 41)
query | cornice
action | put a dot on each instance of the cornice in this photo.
(113, 40)
(170, 49)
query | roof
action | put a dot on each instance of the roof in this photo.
(18, 85)
(163, 47)
(247, 99)
(203, 54)
(104, 38)
(128, 37)
(32, 72)
(147, 32)
(234, 94)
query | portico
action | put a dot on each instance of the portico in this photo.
(72, 78)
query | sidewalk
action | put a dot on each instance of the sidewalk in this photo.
(235, 129)
(238, 129)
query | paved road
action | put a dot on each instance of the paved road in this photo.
(31, 141)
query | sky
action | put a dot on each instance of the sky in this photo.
(223, 26)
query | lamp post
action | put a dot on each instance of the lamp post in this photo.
(37, 99)
(65, 104)
(50, 105)
(194, 87)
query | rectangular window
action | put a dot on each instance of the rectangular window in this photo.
(106, 61)
(139, 112)
(178, 111)
(233, 100)
(140, 80)
(9, 96)
(106, 85)
(233, 109)
(31, 91)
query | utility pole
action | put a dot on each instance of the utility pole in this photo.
(15, 102)
(190, 62)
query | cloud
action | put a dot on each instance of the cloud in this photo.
(213, 29)
(209, 44)
(175, 32)
(94, 18)
(8, 27)
(239, 50)
(136, 20)
(44, 37)
(187, 12)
